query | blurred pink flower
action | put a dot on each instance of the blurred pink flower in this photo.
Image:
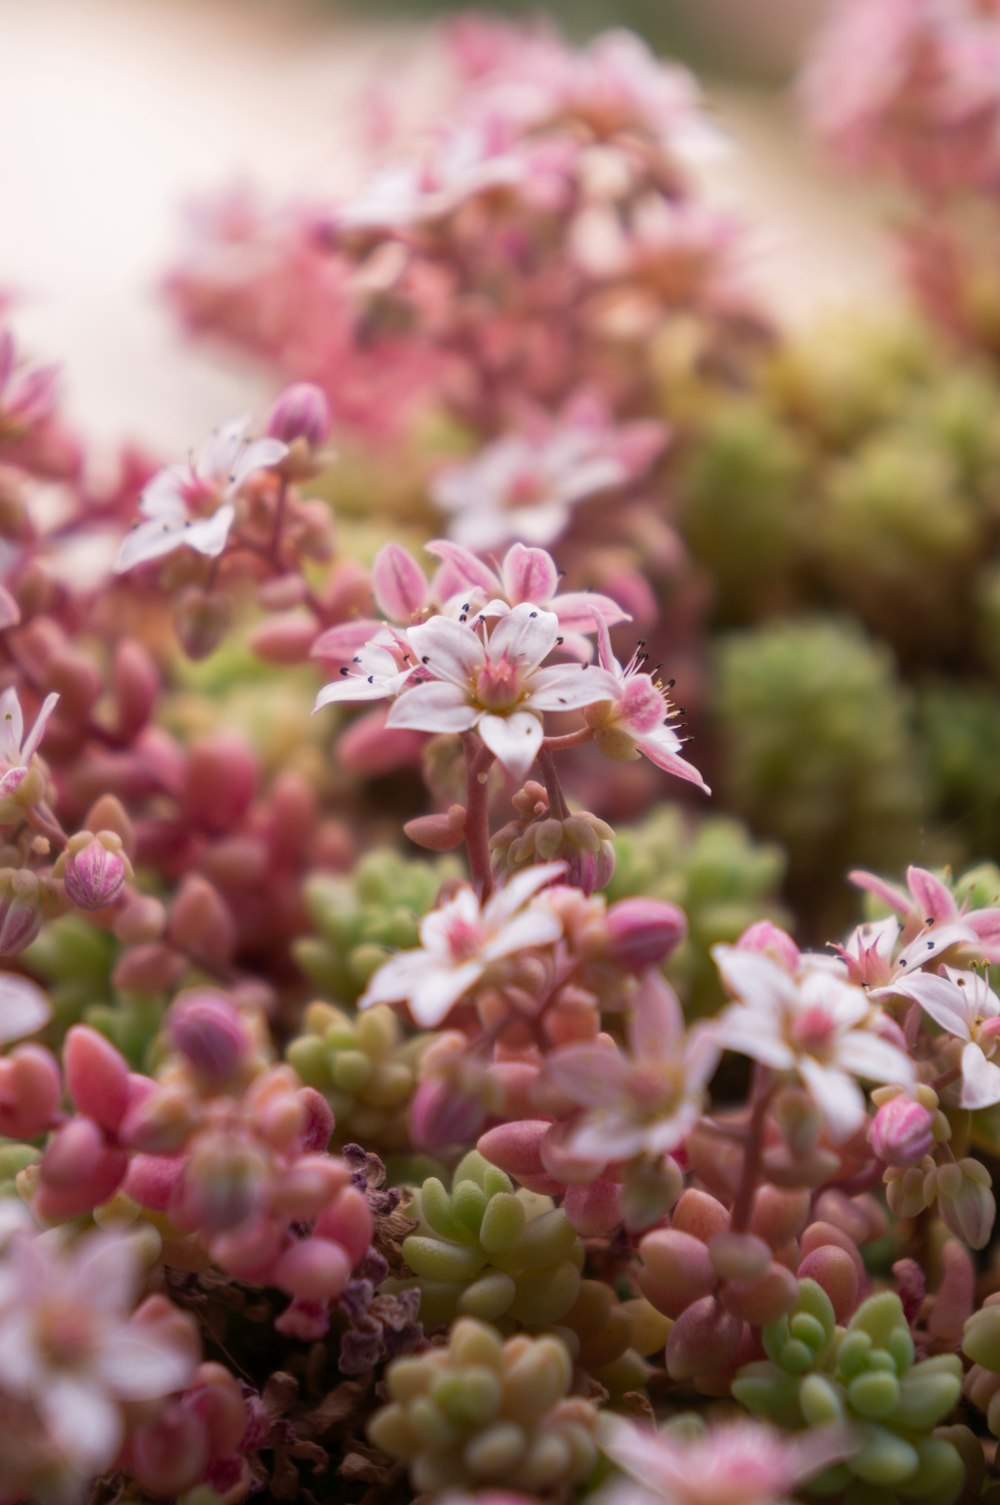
(191, 504)
(965, 1006)
(71, 1344)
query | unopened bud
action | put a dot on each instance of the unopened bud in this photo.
(643, 932)
(442, 1116)
(206, 1029)
(439, 832)
(902, 1132)
(20, 909)
(966, 1202)
(301, 411)
(94, 869)
(770, 940)
(201, 622)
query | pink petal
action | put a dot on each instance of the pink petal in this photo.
(469, 570)
(399, 583)
(513, 740)
(934, 899)
(38, 730)
(536, 927)
(656, 1022)
(11, 728)
(592, 1075)
(516, 892)
(144, 1365)
(84, 1422)
(865, 1055)
(578, 611)
(528, 574)
(946, 1003)
(658, 747)
(433, 707)
(887, 892)
(260, 455)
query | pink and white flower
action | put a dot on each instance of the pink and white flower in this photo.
(965, 1006)
(636, 720)
(495, 685)
(526, 486)
(927, 909)
(740, 1463)
(645, 1100)
(192, 504)
(461, 941)
(812, 1024)
(72, 1346)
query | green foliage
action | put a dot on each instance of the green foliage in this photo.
(485, 1250)
(865, 1374)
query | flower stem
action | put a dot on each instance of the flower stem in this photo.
(477, 822)
(553, 787)
(763, 1086)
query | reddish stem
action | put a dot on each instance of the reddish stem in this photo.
(763, 1087)
(477, 823)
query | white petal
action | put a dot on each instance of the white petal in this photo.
(518, 890)
(566, 687)
(448, 650)
(147, 541)
(434, 707)
(756, 980)
(837, 1096)
(980, 1079)
(38, 730)
(435, 997)
(526, 635)
(865, 1055)
(749, 1032)
(348, 688)
(139, 1365)
(106, 1272)
(535, 927)
(660, 747)
(260, 455)
(83, 1421)
(513, 740)
(209, 535)
(163, 497)
(947, 1004)
(11, 728)
(221, 449)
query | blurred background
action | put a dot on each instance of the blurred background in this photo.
(114, 113)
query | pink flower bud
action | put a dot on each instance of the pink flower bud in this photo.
(643, 932)
(773, 942)
(902, 1132)
(206, 1029)
(20, 910)
(97, 1076)
(301, 411)
(95, 869)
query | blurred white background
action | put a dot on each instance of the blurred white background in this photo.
(112, 112)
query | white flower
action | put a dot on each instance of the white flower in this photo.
(191, 504)
(71, 1345)
(527, 487)
(495, 684)
(460, 941)
(17, 750)
(813, 1024)
(965, 1006)
(374, 673)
